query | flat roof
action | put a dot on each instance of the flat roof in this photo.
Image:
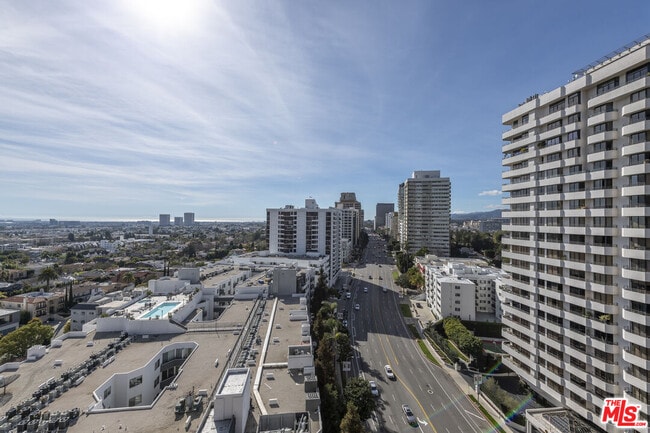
(234, 382)
(198, 373)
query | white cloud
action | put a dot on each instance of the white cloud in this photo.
(492, 192)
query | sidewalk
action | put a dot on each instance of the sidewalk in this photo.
(422, 316)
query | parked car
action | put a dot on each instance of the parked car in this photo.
(389, 372)
(408, 413)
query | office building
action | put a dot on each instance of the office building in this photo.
(576, 242)
(310, 231)
(178, 221)
(188, 218)
(380, 213)
(348, 200)
(164, 219)
(424, 206)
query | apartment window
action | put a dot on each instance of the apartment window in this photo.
(557, 106)
(107, 392)
(554, 125)
(637, 179)
(576, 187)
(599, 184)
(638, 137)
(602, 127)
(577, 239)
(156, 382)
(524, 119)
(601, 260)
(639, 244)
(602, 279)
(639, 158)
(641, 94)
(135, 381)
(639, 222)
(134, 401)
(575, 221)
(552, 141)
(602, 221)
(639, 116)
(639, 201)
(576, 274)
(157, 364)
(574, 169)
(638, 73)
(577, 257)
(602, 165)
(574, 118)
(554, 157)
(607, 86)
(605, 108)
(575, 204)
(573, 99)
(603, 241)
(602, 146)
(573, 153)
(573, 135)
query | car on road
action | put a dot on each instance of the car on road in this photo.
(389, 372)
(365, 290)
(408, 413)
(345, 323)
(348, 295)
(357, 307)
(373, 388)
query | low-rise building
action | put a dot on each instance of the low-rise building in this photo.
(81, 314)
(38, 304)
(9, 320)
(461, 288)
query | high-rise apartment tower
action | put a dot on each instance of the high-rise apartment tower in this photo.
(424, 206)
(577, 245)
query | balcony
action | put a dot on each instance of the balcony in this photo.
(636, 317)
(642, 297)
(608, 116)
(608, 367)
(635, 275)
(618, 92)
(636, 360)
(601, 156)
(602, 384)
(639, 382)
(635, 127)
(628, 191)
(635, 106)
(631, 337)
(631, 149)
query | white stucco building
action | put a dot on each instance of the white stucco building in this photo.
(576, 241)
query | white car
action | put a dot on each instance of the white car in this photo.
(345, 323)
(365, 290)
(389, 372)
(373, 388)
(408, 413)
(357, 307)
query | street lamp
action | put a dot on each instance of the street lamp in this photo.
(477, 386)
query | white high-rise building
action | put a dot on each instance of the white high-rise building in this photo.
(577, 243)
(310, 232)
(424, 206)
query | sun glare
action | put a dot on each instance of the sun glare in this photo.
(167, 15)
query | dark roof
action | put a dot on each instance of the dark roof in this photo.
(85, 306)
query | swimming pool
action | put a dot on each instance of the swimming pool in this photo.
(161, 310)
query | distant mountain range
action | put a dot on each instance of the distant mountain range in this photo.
(476, 215)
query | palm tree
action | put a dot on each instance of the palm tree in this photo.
(128, 278)
(48, 274)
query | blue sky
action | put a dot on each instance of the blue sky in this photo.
(125, 109)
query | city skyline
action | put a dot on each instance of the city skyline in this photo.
(126, 110)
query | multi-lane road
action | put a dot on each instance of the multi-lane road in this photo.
(381, 337)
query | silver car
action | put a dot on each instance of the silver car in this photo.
(373, 388)
(408, 413)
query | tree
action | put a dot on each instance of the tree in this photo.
(351, 422)
(403, 261)
(48, 274)
(357, 391)
(71, 237)
(128, 278)
(422, 252)
(332, 407)
(15, 344)
(343, 346)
